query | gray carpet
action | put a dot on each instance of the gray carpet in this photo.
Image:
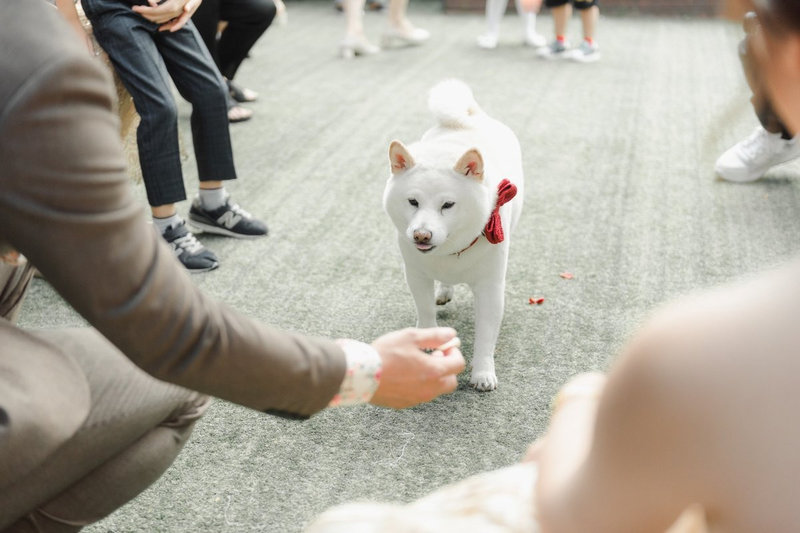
(620, 192)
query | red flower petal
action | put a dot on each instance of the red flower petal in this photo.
(566, 275)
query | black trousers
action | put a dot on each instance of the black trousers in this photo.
(247, 20)
(145, 60)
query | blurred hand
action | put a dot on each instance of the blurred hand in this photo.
(171, 15)
(410, 375)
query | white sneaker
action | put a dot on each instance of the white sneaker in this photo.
(487, 41)
(750, 158)
(586, 52)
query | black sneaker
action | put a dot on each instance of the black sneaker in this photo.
(229, 219)
(189, 251)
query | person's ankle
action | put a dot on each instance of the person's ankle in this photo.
(163, 223)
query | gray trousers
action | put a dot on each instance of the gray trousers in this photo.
(118, 428)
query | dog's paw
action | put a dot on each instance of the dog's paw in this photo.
(444, 294)
(483, 381)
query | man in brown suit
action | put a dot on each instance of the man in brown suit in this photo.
(82, 429)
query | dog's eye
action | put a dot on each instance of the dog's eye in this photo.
(413, 202)
(447, 205)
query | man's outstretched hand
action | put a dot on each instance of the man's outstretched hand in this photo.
(410, 375)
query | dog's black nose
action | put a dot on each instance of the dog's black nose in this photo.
(422, 236)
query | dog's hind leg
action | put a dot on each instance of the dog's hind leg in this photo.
(444, 293)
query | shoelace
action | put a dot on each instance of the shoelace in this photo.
(239, 211)
(189, 243)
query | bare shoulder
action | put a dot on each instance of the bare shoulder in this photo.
(722, 335)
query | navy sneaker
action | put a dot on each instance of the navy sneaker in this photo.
(229, 219)
(189, 251)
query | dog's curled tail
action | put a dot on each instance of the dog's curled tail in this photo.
(452, 103)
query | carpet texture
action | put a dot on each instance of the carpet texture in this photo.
(620, 192)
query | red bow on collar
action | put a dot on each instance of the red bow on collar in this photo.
(494, 228)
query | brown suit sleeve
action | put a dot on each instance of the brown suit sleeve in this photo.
(66, 204)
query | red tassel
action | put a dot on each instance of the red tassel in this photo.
(494, 228)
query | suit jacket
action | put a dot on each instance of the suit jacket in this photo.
(67, 205)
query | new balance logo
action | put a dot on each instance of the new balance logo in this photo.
(229, 219)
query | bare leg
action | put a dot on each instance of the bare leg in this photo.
(561, 15)
(401, 31)
(163, 211)
(589, 19)
(397, 15)
(355, 42)
(354, 18)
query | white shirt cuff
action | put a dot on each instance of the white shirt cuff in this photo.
(363, 374)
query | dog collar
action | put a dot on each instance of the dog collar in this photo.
(470, 245)
(493, 230)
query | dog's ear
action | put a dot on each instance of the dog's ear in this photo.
(470, 164)
(399, 157)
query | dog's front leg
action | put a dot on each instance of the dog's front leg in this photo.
(421, 287)
(489, 304)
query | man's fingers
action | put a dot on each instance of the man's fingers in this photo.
(153, 16)
(455, 342)
(449, 384)
(452, 364)
(180, 22)
(433, 337)
(158, 13)
(191, 6)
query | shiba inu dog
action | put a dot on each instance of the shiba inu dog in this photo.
(454, 197)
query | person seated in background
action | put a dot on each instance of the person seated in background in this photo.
(82, 429)
(149, 45)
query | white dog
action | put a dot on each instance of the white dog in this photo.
(455, 197)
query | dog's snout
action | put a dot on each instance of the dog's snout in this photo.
(422, 236)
